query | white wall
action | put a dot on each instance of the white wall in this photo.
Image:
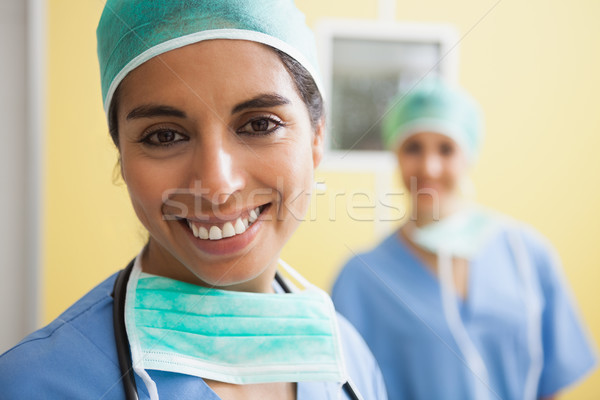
(19, 214)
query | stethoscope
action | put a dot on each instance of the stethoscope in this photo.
(123, 352)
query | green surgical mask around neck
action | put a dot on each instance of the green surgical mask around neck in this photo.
(462, 234)
(228, 336)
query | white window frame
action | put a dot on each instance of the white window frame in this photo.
(327, 30)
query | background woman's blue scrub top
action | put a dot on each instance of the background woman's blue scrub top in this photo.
(394, 301)
(75, 357)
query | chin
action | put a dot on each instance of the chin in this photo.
(241, 273)
(427, 208)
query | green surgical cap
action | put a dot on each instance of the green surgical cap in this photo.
(435, 106)
(131, 32)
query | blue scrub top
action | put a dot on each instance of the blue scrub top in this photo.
(75, 357)
(395, 302)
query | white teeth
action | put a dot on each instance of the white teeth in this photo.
(228, 230)
(215, 233)
(239, 226)
(253, 216)
(202, 233)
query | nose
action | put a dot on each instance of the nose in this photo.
(217, 173)
(431, 166)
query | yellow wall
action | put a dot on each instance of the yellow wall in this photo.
(90, 230)
(531, 64)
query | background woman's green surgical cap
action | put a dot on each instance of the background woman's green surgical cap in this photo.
(131, 32)
(435, 106)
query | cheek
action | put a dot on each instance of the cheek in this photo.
(146, 186)
(455, 171)
(458, 167)
(291, 172)
(406, 168)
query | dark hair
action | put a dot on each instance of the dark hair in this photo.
(305, 84)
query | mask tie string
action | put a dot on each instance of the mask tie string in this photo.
(456, 326)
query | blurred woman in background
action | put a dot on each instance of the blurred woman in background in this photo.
(460, 302)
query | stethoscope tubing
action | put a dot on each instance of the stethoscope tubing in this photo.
(122, 342)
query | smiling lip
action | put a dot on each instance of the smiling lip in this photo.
(437, 188)
(226, 237)
(429, 185)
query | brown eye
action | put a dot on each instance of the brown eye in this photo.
(446, 149)
(164, 137)
(261, 126)
(412, 147)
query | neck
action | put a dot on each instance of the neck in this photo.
(421, 218)
(154, 259)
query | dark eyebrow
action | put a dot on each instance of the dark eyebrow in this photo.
(262, 101)
(152, 110)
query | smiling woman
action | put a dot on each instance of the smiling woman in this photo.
(249, 147)
(215, 111)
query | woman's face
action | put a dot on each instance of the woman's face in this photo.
(432, 166)
(218, 154)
